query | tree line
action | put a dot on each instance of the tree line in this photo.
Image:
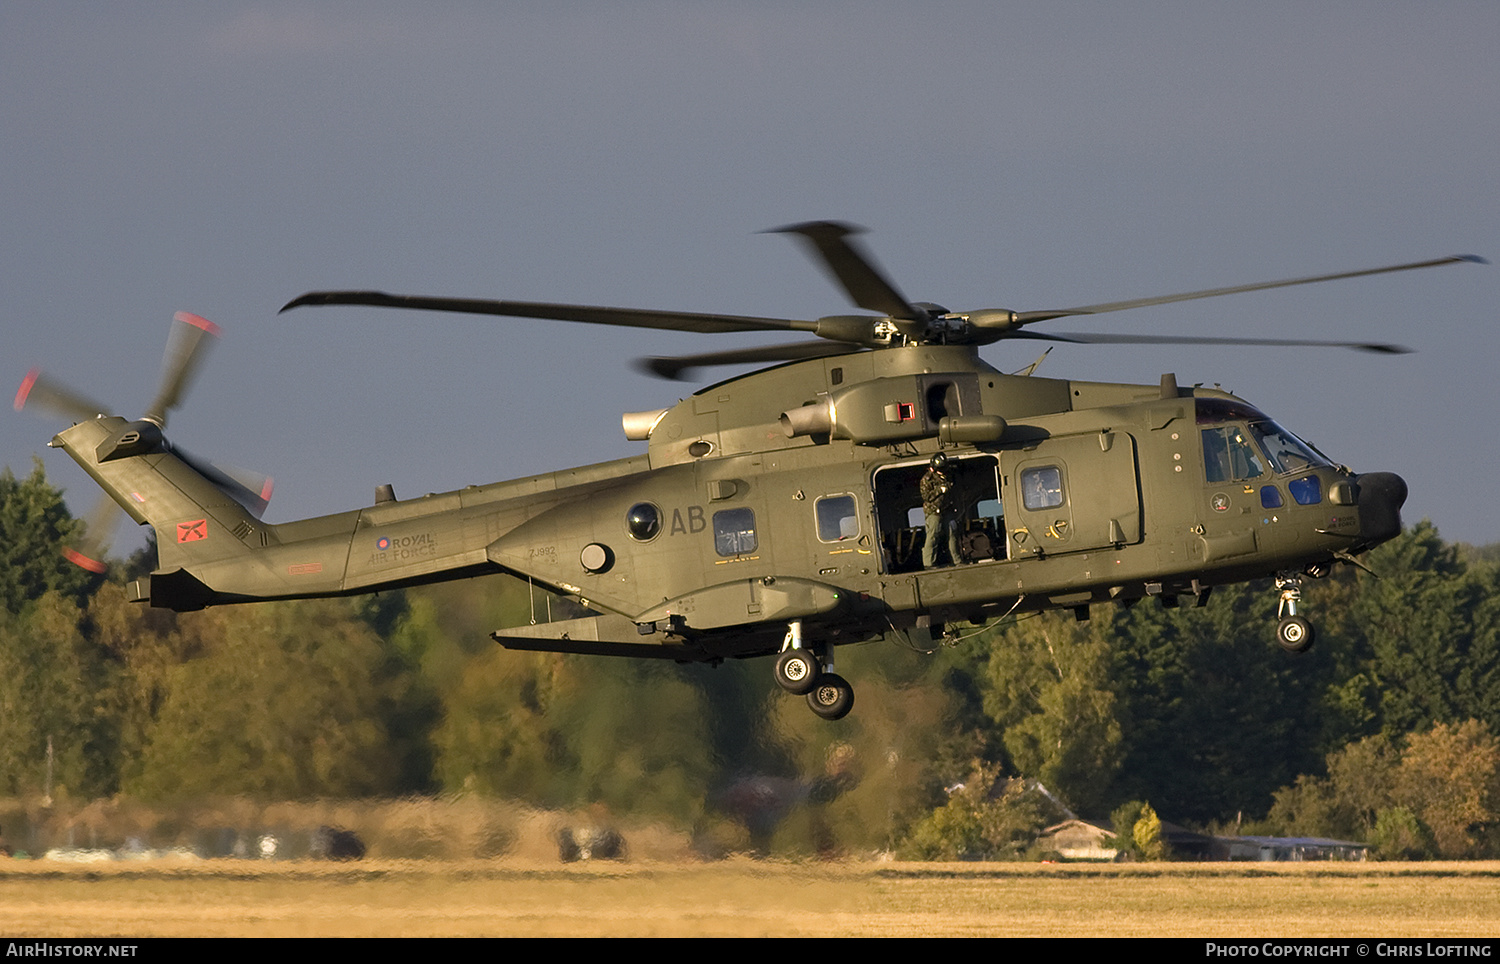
(1385, 732)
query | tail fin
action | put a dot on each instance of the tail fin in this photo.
(199, 527)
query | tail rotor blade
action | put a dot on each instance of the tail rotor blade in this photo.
(250, 489)
(186, 348)
(88, 551)
(40, 391)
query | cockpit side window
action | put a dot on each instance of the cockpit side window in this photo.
(1228, 455)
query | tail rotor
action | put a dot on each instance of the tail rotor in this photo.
(187, 346)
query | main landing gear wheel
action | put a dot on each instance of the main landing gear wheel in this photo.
(797, 671)
(1295, 634)
(832, 698)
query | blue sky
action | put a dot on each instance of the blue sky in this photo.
(223, 158)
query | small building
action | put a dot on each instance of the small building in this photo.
(1075, 839)
(1288, 848)
(1080, 840)
(1185, 844)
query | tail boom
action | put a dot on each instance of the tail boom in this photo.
(211, 550)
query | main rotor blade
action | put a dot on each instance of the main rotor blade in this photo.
(1026, 317)
(1081, 338)
(187, 346)
(674, 368)
(589, 314)
(46, 393)
(852, 267)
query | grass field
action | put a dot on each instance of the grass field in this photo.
(749, 898)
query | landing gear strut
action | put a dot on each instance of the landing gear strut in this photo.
(802, 671)
(1294, 633)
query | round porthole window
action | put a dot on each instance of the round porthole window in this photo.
(643, 521)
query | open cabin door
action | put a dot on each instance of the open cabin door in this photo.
(978, 511)
(1072, 494)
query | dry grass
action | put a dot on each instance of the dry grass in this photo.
(748, 898)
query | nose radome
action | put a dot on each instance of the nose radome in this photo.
(1381, 496)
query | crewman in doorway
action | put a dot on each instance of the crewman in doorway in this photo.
(938, 502)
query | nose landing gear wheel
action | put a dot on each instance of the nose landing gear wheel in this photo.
(1295, 634)
(832, 698)
(797, 671)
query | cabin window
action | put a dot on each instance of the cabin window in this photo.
(1270, 497)
(1228, 455)
(838, 518)
(734, 532)
(643, 521)
(1306, 491)
(1041, 488)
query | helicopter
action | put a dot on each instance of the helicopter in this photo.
(787, 511)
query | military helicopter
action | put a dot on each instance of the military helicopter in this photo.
(782, 512)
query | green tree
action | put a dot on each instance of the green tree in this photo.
(54, 686)
(1450, 778)
(1439, 793)
(560, 730)
(141, 646)
(1305, 809)
(275, 701)
(1362, 778)
(1050, 693)
(1147, 835)
(986, 818)
(1480, 555)
(1399, 835)
(552, 729)
(1123, 820)
(872, 774)
(34, 527)
(1429, 627)
(1345, 804)
(1215, 716)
